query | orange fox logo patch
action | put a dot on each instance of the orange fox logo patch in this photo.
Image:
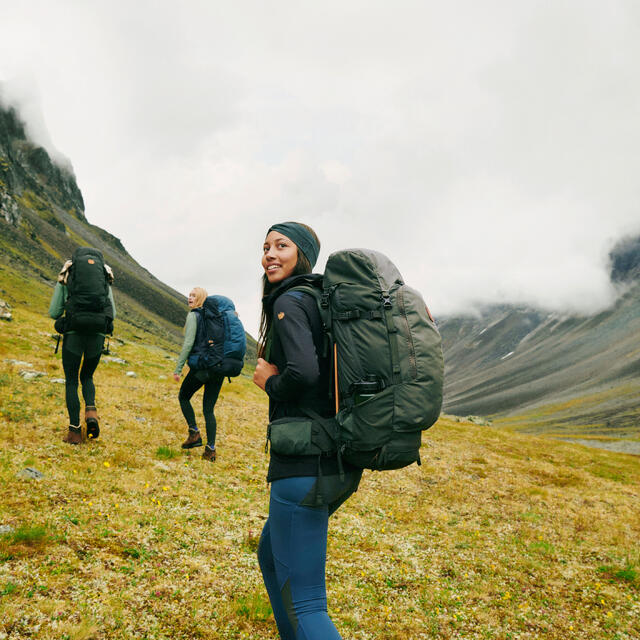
(281, 315)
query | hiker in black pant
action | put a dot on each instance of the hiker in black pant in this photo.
(85, 277)
(305, 489)
(194, 380)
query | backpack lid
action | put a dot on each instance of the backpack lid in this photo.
(361, 265)
(221, 303)
(90, 252)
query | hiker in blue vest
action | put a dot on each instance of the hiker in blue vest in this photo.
(305, 489)
(83, 307)
(194, 380)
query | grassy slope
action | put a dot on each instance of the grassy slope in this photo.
(497, 535)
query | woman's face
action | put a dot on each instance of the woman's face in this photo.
(192, 299)
(279, 257)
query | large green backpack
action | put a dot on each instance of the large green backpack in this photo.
(387, 361)
(88, 307)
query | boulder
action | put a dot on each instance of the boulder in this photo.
(29, 473)
(31, 374)
(5, 311)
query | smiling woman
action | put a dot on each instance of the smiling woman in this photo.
(305, 488)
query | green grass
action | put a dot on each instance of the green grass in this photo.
(254, 607)
(166, 453)
(627, 574)
(496, 535)
(29, 535)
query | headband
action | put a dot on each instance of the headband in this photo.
(301, 237)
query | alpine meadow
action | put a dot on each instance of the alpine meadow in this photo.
(497, 534)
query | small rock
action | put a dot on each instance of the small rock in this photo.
(162, 466)
(5, 528)
(114, 359)
(140, 419)
(31, 375)
(478, 420)
(19, 363)
(162, 377)
(57, 380)
(29, 473)
(132, 374)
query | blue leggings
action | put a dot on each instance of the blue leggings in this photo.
(293, 550)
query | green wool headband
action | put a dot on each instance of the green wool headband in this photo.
(301, 237)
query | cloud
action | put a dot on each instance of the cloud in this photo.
(490, 149)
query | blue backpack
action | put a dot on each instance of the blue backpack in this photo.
(220, 343)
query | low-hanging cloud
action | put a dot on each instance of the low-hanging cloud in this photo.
(490, 150)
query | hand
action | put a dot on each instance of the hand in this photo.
(176, 377)
(264, 370)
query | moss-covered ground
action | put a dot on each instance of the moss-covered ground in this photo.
(497, 535)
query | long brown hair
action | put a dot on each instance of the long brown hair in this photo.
(302, 266)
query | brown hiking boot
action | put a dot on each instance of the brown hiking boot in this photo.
(74, 435)
(194, 440)
(91, 418)
(209, 454)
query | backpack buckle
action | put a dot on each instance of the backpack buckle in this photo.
(324, 299)
(386, 301)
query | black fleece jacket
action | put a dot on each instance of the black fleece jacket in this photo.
(297, 349)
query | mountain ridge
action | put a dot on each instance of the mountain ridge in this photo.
(509, 361)
(43, 220)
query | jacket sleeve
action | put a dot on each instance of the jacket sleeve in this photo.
(59, 297)
(302, 370)
(190, 328)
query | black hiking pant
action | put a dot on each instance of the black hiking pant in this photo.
(212, 384)
(80, 350)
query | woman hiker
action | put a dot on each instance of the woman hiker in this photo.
(295, 375)
(83, 290)
(194, 380)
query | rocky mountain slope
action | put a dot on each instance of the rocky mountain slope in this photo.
(564, 372)
(42, 221)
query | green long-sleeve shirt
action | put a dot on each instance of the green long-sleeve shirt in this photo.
(59, 297)
(190, 329)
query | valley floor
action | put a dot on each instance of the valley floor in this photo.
(497, 535)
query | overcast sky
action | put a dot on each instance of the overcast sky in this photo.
(490, 149)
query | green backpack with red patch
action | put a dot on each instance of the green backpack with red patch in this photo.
(87, 308)
(387, 366)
